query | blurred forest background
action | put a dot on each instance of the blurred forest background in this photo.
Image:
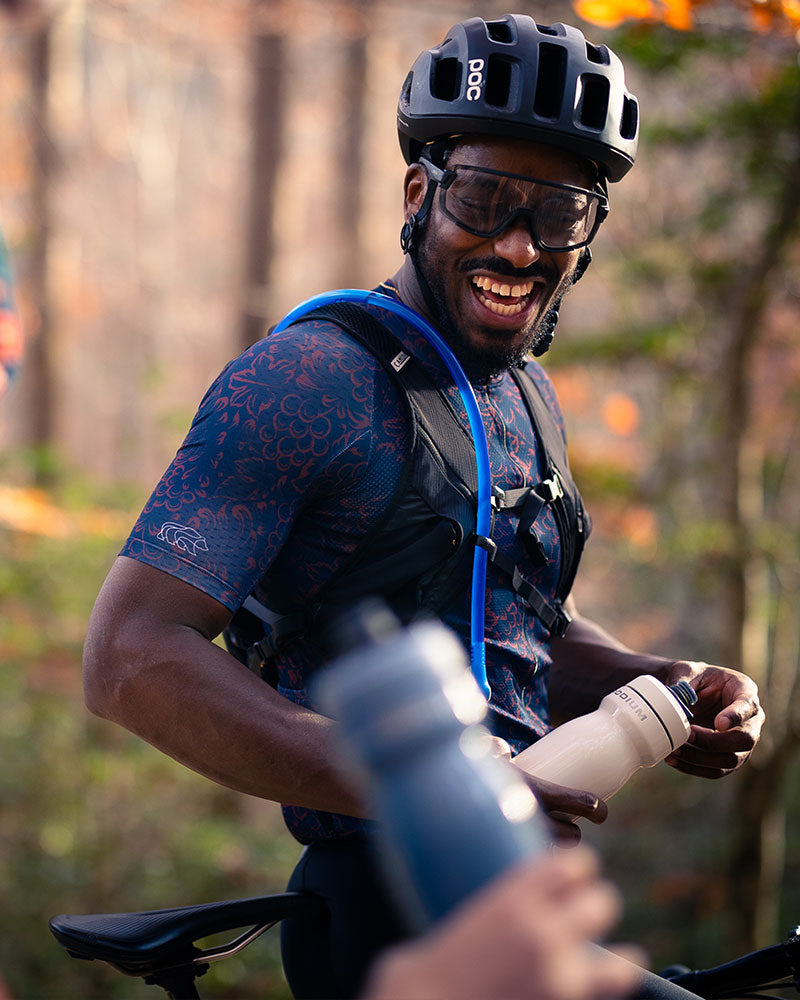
(174, 176)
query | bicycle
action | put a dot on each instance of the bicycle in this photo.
(160, 947)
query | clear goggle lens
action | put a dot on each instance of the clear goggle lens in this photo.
(485, 202)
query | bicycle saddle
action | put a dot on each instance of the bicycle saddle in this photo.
(140, 944)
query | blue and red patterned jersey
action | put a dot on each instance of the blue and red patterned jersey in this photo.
(294, 453)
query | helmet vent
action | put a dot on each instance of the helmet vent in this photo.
(630, 119)
(594, 101)
(500, 31)
(550, 76)
(597, 54)
(498, 81)
(446, 79)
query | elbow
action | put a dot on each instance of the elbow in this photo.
(107, 667)
(98, 679)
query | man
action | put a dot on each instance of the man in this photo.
(311, 476)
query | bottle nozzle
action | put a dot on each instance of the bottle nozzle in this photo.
(686, 695)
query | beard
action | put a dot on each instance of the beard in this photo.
(484, 363)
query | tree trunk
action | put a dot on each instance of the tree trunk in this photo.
(267, 60)
(39, 363)
(758, 825)
(351, 167)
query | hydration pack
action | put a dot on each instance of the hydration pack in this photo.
(418, 555)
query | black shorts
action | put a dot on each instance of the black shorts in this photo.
(331, 957)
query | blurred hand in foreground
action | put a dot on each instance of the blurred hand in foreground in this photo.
(524, 937)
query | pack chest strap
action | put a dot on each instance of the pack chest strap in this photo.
(552, 616)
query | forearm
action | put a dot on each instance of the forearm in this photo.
(588, 663)
(176, 689)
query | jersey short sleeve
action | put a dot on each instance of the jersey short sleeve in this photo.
(288, 420)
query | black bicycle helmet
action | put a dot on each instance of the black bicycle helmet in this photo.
(513, 77)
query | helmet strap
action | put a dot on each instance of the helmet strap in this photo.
(416, 218)
(407, 233)
(548, 328)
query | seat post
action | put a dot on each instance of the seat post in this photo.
(179, 983)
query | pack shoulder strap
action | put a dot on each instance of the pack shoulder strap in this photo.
(433, 424)
(432, 410)
(574, 524)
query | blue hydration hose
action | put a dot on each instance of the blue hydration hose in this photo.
(484, 515)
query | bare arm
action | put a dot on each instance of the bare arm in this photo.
(151, 666)
(588, 663)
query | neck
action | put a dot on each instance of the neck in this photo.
(409, 290)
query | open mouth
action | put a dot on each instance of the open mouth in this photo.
(501, 298)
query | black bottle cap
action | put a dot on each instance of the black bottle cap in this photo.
(686, 695)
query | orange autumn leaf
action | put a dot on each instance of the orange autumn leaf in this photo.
(611, 13)
(678, 14)
(639, 526)
(620, 414)
(765, 15)
(32, 511)
(791, 11)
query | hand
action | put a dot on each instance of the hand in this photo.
(560, 803)
(727, 719)
(524, 937)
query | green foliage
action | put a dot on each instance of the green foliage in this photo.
(699, 291)
(93, 819)
(662, 50)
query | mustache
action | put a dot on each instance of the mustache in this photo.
(496, 265)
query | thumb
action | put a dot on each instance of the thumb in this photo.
(732, 716)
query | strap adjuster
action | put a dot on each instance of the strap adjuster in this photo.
(561, 622)
(551, 489)
(488, 544)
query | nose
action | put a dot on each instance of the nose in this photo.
(515, 244)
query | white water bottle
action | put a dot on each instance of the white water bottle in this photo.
(635, 726)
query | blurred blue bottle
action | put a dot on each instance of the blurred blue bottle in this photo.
(451, 816)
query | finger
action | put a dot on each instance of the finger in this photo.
(702, 767)
(565, 833)
(592, 909)
(498, 747)
(568, 802)
(737, 714)
(730, 741)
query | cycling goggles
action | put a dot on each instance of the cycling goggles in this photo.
(484, 202)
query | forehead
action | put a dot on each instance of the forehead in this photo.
(515, 156)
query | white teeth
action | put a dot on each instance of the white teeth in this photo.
(500, 309)
(481, 281)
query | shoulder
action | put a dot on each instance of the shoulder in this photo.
(313, 364)
(309, 351)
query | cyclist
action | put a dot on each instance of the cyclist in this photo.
(308, 479)
(10, 329)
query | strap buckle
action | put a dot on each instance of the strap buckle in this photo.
(551, 489)
(561, 621)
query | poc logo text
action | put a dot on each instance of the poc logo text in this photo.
(475, 79)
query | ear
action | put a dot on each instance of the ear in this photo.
(414, 187)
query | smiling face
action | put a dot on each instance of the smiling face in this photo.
(490, 294)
